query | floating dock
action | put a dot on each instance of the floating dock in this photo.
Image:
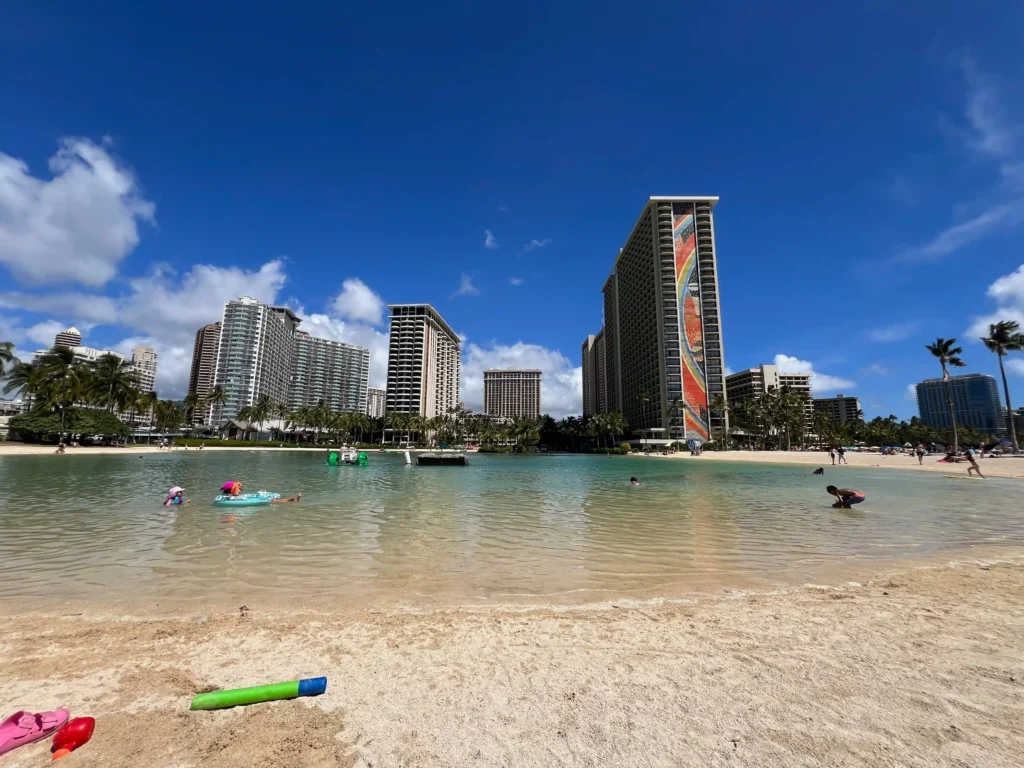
(441, 459)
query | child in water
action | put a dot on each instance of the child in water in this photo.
(847, 496)
(634, 481)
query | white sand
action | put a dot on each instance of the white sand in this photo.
(921, 667)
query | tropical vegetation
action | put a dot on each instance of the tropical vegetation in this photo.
(1004, 337)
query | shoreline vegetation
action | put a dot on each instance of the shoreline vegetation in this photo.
(1005, 467)
(916, 664)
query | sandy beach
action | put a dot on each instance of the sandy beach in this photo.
(1003, 467)
(914, 666)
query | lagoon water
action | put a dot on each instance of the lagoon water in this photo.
(505, 528)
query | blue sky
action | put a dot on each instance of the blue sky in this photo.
(492, 159)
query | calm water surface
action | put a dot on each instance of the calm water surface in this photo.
(505, 527)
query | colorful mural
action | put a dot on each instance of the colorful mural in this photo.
(695, 388)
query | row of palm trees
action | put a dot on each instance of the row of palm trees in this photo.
(58, 380)
(1003, 338)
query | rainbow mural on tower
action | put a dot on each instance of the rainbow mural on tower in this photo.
(695, 387)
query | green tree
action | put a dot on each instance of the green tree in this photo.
(190, 404)
(111, 377)
(948, 356)
(216, 396)
(64, 381)
(6, 356)
(167, 416)
(1004, 337)
(26, 377)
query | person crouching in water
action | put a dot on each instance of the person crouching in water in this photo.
(847, 497)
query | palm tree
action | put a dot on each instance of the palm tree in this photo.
(63, 381)
(166, 415)
(948, 355)
(718, 405)
(216, 396)
(1004, 337)
(191, 402)
(6, 355)
(27, 377)
(111, 377)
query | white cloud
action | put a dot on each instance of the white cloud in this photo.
(75, 227)
(358, 302)
(910, 393)
(820, 382)
(516, 281)
(466, 287)
(875, 370)
(1008, 293)
(890, 333)
(561, 383)
(991, 220)
(45, 333)
(490, 241)
(991, 133)
(729, 371)
(535, 244)
(1015, 366)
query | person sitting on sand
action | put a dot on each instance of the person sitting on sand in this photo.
(847, 496)
(969, 455)
(634, 481)
(819, 471)
(289, 500)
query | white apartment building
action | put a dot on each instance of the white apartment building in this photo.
(70, 337)
(329, 371)
(144, 360)
(375, 401)
(512, 392)
(261, 351)
(424, 362)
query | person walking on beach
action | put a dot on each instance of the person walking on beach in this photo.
(920, 453)
(842, 455)
(971, 457)
(832, 455)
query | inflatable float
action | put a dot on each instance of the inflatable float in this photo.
(337, 458)
(246, 499)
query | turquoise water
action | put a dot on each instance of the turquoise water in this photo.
(505, 527)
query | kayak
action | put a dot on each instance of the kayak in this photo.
(246, 499)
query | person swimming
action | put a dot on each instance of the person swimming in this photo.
(819, 471)
(634, 481)
(847, 496)
(175, 496)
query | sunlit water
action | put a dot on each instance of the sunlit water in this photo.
(502, 528)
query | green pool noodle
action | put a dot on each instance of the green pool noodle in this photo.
(313, 686)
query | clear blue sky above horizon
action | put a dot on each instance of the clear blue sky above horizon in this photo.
(492, 159)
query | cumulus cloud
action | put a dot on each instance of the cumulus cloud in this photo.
(74, 227)
(1008, 294)
(358, 302)
(466, 287)
(516, 281)
(910, 393)
(45, 333)
(490, 241)
(890, 333)
(820, 382)
(1015, 366)
(561, 391)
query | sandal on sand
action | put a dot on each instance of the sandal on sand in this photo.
(23, 728)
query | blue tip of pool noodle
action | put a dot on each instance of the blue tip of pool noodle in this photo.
(313, 686)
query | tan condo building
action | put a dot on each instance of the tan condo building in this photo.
(840, 408)
(424, 362)
(754, 382)
(512, 392)
(204, 366)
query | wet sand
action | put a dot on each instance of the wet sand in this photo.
(916, 665)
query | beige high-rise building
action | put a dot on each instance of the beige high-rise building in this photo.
(144, 360)
(375, 402)
(204, 367)
(590, 375)
(328, 371)
(424, 362)
(662, 336)
(754, 382)
(71, 337)
(512, 392)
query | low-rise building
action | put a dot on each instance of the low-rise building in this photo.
(840, 408)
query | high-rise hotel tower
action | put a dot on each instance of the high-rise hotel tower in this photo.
(662, 336)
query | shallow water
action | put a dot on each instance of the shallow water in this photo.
(505, 527)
